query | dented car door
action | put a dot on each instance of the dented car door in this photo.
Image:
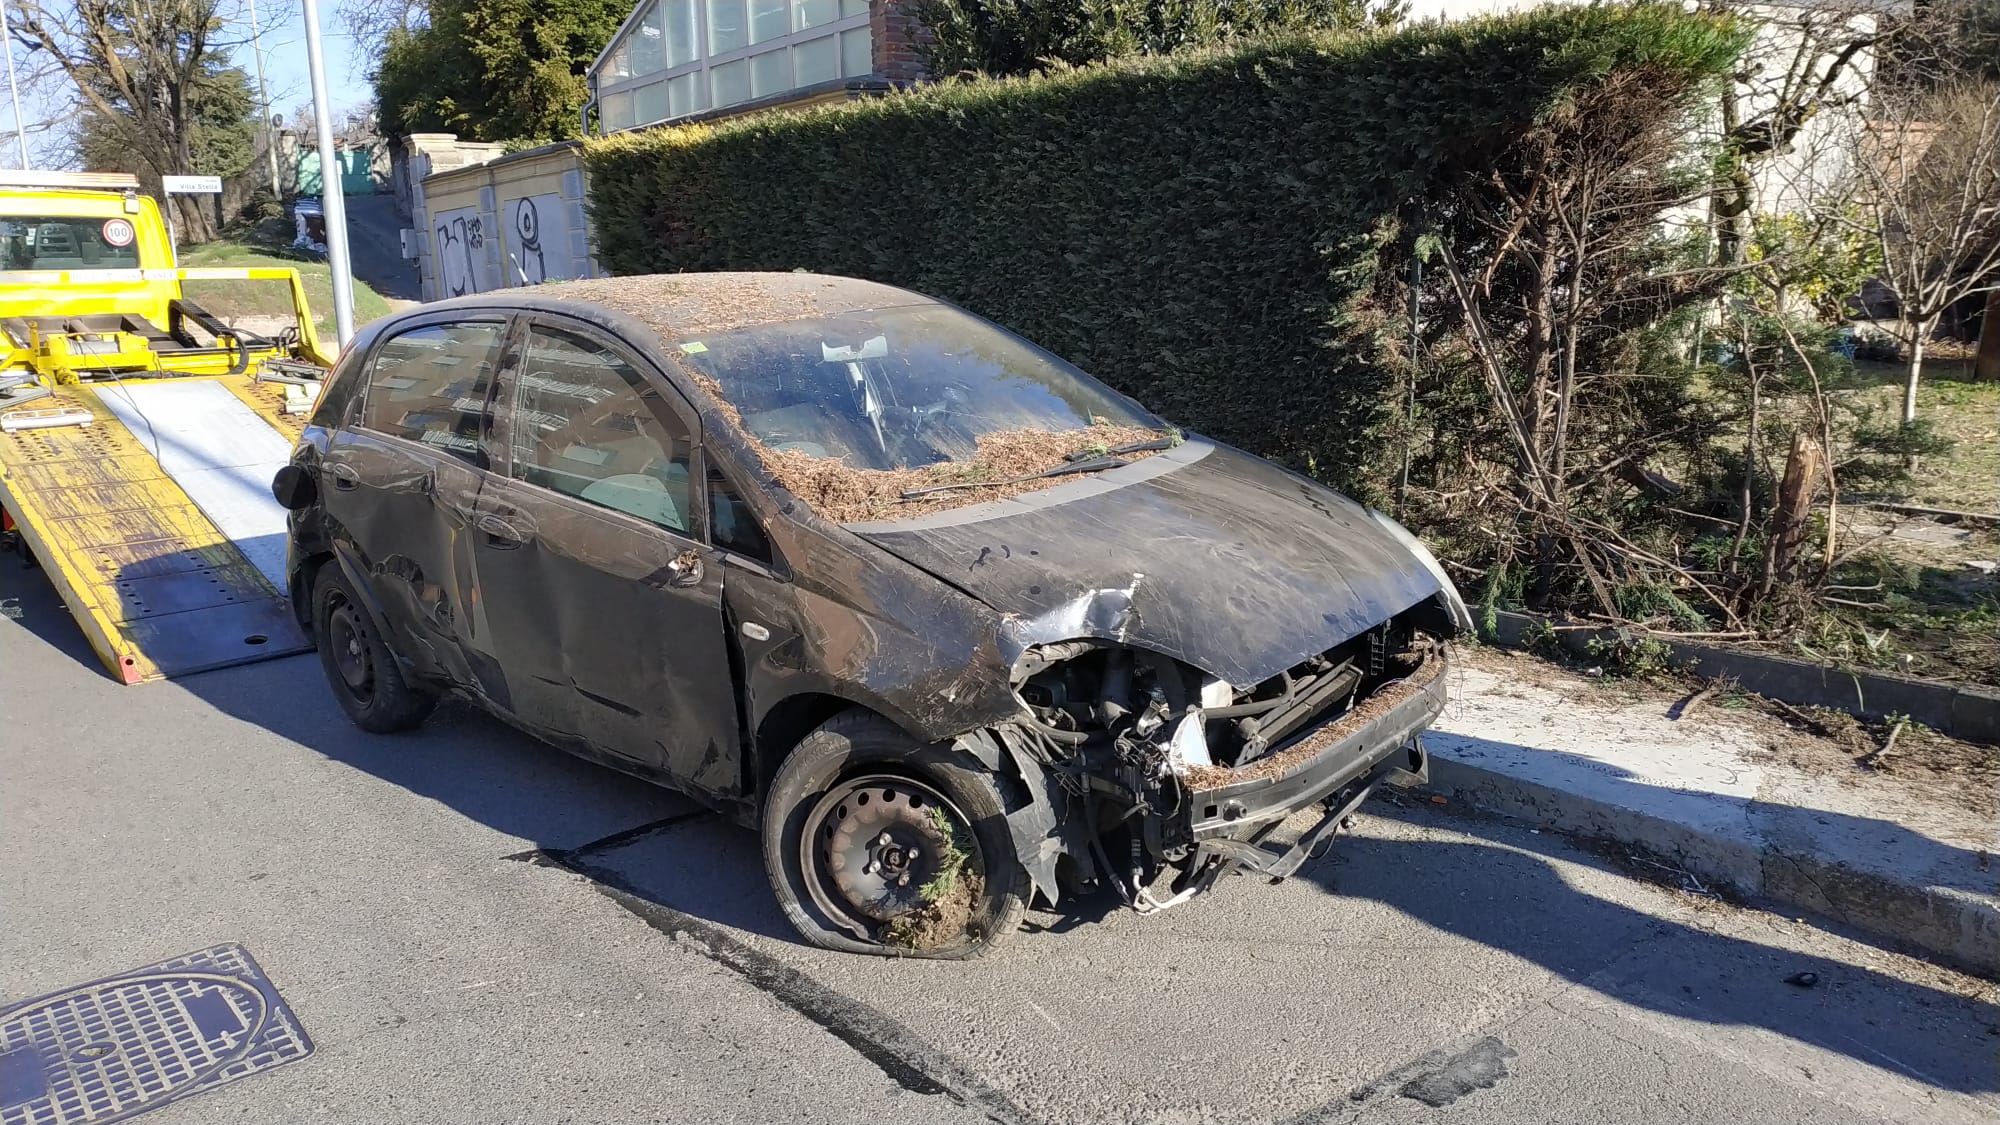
(601, 608)
(401, 481)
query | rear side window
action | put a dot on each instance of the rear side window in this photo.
(338, 393)
(432, 385)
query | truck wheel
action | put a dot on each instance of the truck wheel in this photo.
(359, 667)
(878, 843)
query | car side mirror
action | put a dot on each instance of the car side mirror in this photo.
(294, 488)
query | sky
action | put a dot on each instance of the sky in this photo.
(284, 47)
(283, 41)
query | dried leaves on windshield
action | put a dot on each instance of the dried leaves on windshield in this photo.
(675, 305)
(844, 494)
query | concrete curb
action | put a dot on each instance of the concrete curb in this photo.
(1958, 710)
(1945, 924)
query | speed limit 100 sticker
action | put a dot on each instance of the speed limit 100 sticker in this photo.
(117, 232)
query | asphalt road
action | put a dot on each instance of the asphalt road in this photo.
(474, 928)
(375, 247)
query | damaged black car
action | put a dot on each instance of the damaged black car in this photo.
(954, 625)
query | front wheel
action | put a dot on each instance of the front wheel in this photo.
(878, 843)
(359, 666)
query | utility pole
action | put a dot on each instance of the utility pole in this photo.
(14, 91)
(331, 204)
(264, 97)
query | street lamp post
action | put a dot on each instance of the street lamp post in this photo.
(271, 126)
(331, 202)
(14, 91)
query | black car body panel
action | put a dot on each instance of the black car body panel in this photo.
(1126, 593)
(1203, 553)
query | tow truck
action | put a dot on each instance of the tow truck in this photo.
(139, 431)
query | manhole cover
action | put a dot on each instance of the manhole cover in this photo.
(117, 1047)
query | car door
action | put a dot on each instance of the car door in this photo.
(401, 478)
(599, 598)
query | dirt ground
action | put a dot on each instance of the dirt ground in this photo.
(1920, 595)
(1921, 765)
(942, 923)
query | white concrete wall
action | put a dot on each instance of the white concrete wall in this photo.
(512, 221)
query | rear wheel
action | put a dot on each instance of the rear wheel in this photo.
(878, 843)
(359, 666)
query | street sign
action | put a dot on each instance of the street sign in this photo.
(192, 185)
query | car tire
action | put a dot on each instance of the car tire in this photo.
(362, 672)
(857, 769)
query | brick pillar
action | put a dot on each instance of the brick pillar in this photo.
(893, 27)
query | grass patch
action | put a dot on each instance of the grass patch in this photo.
(259, 247)
(1967, 477)
(1913, 611)
(951, 863)
(949, 898)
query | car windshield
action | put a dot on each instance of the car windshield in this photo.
(898, 388)
(38, 242)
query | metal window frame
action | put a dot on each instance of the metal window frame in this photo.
(704, 62)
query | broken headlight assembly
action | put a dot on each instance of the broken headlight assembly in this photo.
(1169, 769)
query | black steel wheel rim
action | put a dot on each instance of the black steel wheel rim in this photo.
(872, 845)
(353, 658)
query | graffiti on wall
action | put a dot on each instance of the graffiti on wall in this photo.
(461, 252)
(538, 247)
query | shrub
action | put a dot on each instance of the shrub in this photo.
(1203, 231)
(1002, 37)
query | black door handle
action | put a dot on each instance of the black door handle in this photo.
(344, 477)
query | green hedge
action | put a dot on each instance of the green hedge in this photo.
(1201, 231)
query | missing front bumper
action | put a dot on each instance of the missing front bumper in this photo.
(1343, 803)
(1378, 736)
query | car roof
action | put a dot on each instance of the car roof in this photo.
(676, 306)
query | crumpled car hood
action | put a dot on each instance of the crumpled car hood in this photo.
(1202, 553)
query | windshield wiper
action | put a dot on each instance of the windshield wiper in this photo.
(1119, 450)
(1097, 462)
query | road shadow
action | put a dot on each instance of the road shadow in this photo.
(28, 600)
(1504, 888)
(1478, 879)
(563, 807)
(461, 758)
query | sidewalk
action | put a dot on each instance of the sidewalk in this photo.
(1734, 801)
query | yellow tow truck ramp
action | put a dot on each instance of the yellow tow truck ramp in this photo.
(139, 433)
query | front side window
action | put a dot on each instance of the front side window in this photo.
(587, 424)
(67, 242)
(898, 388)
(433, 385)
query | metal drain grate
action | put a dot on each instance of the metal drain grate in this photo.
(115, 1048)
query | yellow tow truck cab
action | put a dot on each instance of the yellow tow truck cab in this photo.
(89, 284)
(139, 431)
(75, 253)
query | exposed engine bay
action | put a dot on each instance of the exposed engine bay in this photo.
(1170, 772)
